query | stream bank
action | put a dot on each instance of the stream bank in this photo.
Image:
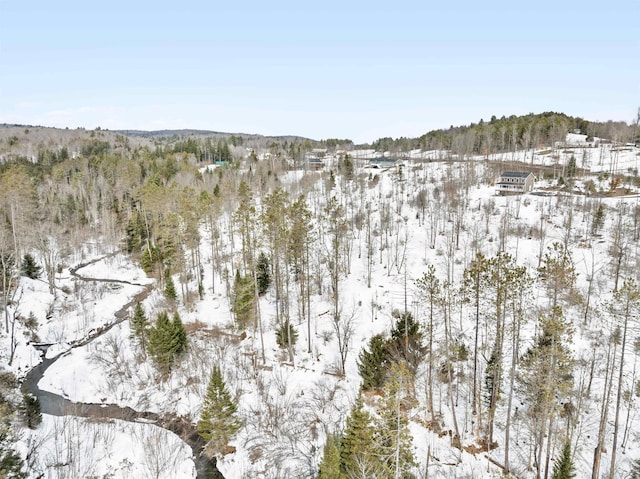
(56, 405)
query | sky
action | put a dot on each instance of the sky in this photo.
(349, 69)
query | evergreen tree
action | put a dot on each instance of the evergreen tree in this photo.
(218, 422)
(571, 167)
(167, 339)
(140, 326)
(546, 377)
(245, 222)
(285, 332)
(179, 335)
(223, 153)
(244, 301)
(373, 363)
(626, 310)
(405, 326)
(263, 274)
(558, 274)
(29, 267)
(300, 238)
(406, 340)
(393, 439)
(357, 446)
(598, 219)
(150, 258)
(430, 290)
(31, 410)
(330, 464)
(563, 468)
(170, 288)
(136, 233)
(167, 230)
(11, 463)
(474, 283)
(274, 222)
(31, 325)
(346, 167)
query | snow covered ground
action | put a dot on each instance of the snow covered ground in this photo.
(307, 399)
(71, 447)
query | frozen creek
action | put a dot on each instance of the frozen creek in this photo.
(56, 405)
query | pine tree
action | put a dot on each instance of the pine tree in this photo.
(179, 335)
(406, 340)
(244, 306)
(167, 339)
(300, 238)
(598, 219)
(170, 288)
(357, 445)
(140, 326)
(136, 233)
(491, 389)
(285, 332)
(393, 439)
(11, 463)
(218, 422)
(150, 257)
(373, 363)
(546, 377)
(245, 221)
(571, 167)
(29, 267)
(263, 275)
(564, 465)
(31, 326)
(167, 249)
(330, 464)
(430, 289)
(558, 274)
(625, 309)
(474, 282)
(31, 410)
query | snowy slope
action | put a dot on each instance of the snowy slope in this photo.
(289, 408)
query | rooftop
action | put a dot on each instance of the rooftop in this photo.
(516, 174)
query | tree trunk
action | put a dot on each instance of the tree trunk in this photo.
(515, 352)
(608, 379)
(616, 424)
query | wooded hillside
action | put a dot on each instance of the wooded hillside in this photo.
(350, 321)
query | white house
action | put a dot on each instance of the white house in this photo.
(515, 182)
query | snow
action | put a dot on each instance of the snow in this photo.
(113, 448)
(309, 399)
(574, 139)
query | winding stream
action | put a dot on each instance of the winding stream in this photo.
(57, 405)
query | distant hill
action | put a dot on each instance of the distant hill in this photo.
(509, 134)
(204, 133)
(159, 133)
(165, 133)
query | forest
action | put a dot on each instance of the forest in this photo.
(337, 323)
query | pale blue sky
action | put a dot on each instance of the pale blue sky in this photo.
(358, 70)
